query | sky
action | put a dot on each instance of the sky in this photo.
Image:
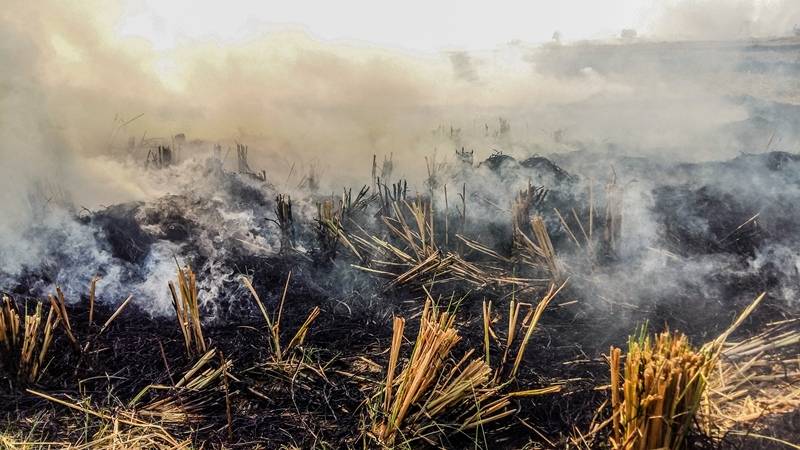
(412, 25)
(429, 27)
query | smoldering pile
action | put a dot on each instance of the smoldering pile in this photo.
(608, 243)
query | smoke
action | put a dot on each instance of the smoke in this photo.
(288, 94)
(724, 19)
(463, 66)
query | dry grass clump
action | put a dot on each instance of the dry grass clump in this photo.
(9, 442)
(544, 247)
(755, 378)
(597, 235)
(328, 229)
(388, 197)
(526, 201)
(657, 396)
(285, 220)
(435, 394)
(411, 255)
(115, 430)
(330, 221)
(200, 387)
(655, 399)
(187, 312)
(111, 436)
(282, 355)
(59, 305)
(26, 337)
(538, 253)
(24, 342)
(518, 332)
(350, 207)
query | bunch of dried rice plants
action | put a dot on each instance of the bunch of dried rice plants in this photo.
(330, 221)
(24, 343)
(518, 332)
(59, 305)
(538, 253)
(436, 395)
(756, 378)
(201, 387)
(285, 220)
(107, 429)
(595, 235)
(116, 436)
(26, 336)
(187, 311)
(409, 254)
(664, 382)
(656, 397)
(289, 357)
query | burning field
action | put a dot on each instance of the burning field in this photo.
(288, 241)
(502, 303)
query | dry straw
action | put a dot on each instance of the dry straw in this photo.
(25, 342)
(755, 378)
(118, 430)
(282, 354)
(197, 389)
(187, 312)
(409, 253)
(435, 393)
(657, 394)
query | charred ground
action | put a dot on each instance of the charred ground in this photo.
(697, 243)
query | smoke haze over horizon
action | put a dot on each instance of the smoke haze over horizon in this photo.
(78, 72)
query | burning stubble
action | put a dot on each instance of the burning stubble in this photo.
(644, 178)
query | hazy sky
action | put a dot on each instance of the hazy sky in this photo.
(417, 25)
(430, 26)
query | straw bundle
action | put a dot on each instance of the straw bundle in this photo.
(350, 206)
(655, 398)
(187, 312)
(513, 341)
(664, 383)
(435, 340)
(118, 430)
(58, 304)
(25, 344)
(538, 253)
(433, 393)
(596, 236)
(329, 228)
(411, 254)
(525, 201)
